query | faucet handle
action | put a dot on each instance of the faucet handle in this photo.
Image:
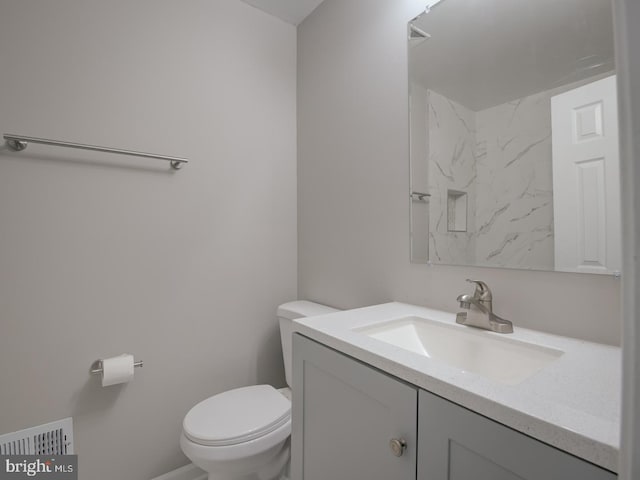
(483, 292)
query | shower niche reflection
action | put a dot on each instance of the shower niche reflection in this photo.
(513, 135)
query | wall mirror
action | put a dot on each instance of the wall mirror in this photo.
(513, 135)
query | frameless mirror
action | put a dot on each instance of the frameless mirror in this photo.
(514, 136)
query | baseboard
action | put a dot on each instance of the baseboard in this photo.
(188, 472)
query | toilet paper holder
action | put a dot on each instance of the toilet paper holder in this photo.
(96, 367)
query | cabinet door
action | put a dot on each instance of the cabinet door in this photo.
(457, 444)
(344, 416)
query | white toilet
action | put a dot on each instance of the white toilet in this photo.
(243, 434)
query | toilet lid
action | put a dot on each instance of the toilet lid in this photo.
(237, 416)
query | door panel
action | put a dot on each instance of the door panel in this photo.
(586, 179)
(344, 416)
(458, 444)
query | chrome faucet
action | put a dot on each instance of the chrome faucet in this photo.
(480, 310)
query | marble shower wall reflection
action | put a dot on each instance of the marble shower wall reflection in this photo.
(515, 199)
(452, 168)
(500, 158)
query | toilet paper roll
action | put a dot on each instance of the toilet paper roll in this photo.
(117, 370)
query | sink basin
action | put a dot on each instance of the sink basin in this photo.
(494, 356)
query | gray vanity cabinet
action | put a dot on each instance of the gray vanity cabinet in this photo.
(458, 444)
(345, 414)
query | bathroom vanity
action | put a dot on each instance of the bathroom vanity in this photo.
(372, 399)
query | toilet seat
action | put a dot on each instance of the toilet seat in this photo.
(237, 416)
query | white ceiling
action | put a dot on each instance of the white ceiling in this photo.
(292, 11)
(484, 53)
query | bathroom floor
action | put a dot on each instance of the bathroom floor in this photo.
(191, 472)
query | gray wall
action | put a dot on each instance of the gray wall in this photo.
(353, 186)
(628, 57)
(102, 255)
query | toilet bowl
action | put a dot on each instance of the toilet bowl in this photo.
(243, 434)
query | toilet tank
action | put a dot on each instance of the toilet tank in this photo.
(288, 312)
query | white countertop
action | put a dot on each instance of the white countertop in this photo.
(572, 403)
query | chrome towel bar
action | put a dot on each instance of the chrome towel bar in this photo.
(20, 142)
(419, 196)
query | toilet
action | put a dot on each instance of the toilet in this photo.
(243, 434)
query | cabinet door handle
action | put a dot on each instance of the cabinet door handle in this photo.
(398, 446)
